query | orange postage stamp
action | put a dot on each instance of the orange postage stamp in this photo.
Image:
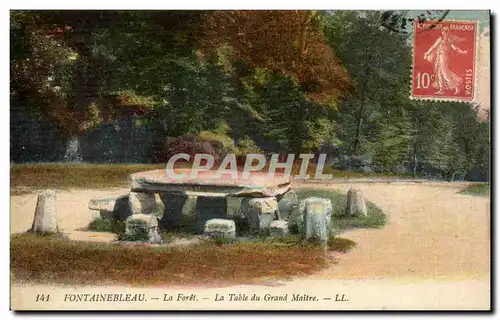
(444, 60)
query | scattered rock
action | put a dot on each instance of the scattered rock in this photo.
(111, 207)
(356, 205)
(317, 214)
(142, 202)
(260, 212)
(287, 203)
(142, 227)
(278, 228)
(223, 227)
(45, 220)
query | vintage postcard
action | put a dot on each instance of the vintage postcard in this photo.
(250, 160)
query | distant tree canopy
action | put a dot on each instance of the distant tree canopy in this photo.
(277, 81)
(288, 42)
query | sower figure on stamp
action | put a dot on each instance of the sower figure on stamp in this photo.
(439, 54)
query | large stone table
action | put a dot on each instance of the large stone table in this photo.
(260, 195)
(258, 184)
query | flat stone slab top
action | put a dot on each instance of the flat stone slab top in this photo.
(207, 183)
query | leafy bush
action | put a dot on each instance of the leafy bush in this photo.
(117, 226)
(217, 140)
(142, 235)
(247, 146)
(188, 144)
(100, 224)
(354, 163)
(105, 225)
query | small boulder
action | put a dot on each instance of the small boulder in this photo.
(356, 205)
(278, 228)
(111, 207)
(142, 227)
(222, 227)
(142, 203)
(260, 212)
(316, 214)
(45, 220)
(287, 203)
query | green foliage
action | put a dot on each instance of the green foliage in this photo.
(118, 226)
(241, 81)
(137, 236)
(246, 146)
(100, 224)
(220, 139)
(379, 122)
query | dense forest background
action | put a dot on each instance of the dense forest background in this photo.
(139, 86)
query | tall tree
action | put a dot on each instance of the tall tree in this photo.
(287, 42)
(378, 64)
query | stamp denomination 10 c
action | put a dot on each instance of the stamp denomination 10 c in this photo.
(444, 60)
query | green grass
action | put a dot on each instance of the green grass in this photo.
(358, 175)
(88, 176)
(375, 218)
(101, 225)
(105, 225)
(83, 176)
(340, 244)
(480, 189)
(335, 243)
(57, 260)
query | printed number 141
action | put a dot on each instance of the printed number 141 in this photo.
(42, 297)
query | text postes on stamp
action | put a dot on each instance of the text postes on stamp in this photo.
(444, 60)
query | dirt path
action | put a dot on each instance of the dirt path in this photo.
(433, 232)
(71, 205)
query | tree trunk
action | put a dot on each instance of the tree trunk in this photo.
(357, 142)
(415, 163)
(303, 34)
(73, 150)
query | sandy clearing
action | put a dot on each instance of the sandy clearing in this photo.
(434, 253)
(433, 232)
(72, 208)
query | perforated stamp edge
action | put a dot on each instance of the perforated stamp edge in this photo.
(476, 57)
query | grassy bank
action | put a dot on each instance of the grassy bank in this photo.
(374, 219)
(481, 189)
(87, 176)
(54, 259)
(80, 176)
